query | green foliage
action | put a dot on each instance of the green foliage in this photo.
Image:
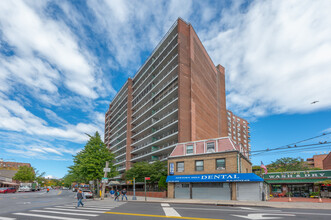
(143, 169)
(288, 164)
(314, 194)
(163, 183)
(25, 174)
(89, 163)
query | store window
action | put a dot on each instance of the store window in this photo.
(189, 149)
(180, 167)
(220, 164)
(199, 165)
(211, 147)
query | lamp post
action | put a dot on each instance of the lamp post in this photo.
(134, 189)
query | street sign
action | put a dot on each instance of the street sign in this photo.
(171, 169)
(106, 169)
(104, 180)
(91, 182)
(147, 178)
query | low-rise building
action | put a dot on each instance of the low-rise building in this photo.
(327, 162)
(317, 161)
(212, 169)
(12, 165)
(297, 183)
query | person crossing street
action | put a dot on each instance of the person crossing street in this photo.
(80, 197)
(124, 194)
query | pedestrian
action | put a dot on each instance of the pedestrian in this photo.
(117, 194)
(112, 192)
(80, 197)
(47, 190)
(124, 194)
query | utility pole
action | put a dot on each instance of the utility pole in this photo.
(134, 189)
(104, 181)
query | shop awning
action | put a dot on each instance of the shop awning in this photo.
(224, 177)
(10, 183)
(293, 181)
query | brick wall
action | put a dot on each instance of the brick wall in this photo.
(231, 163)
(202, 107)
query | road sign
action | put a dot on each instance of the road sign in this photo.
(91, 182)
(104, 180)
(147, 178)
(106, 169)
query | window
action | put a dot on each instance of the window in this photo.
(199, 165)
(180, 166)
(189, 149)
(220, 164)
(211, 147)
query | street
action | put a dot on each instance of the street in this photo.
(60, 204)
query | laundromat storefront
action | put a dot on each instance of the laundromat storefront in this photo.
(230, 186)
(299, 183)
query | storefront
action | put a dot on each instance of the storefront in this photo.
(227, 186)
(298, 183)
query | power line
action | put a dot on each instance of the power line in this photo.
(290, 150)
(288, 146)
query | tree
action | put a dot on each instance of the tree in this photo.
(140, 170)
(89, 163)
(288, 164)
(25, 174)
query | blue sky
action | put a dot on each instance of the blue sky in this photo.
(61, 63)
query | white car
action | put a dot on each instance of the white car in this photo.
(88, 193)
(24, 189)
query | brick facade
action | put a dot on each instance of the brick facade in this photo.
(13, 165)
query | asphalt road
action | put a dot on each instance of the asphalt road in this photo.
(61, 205)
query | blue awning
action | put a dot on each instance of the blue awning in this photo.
(224, 177)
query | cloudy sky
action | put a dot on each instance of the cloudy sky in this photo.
(62, 62)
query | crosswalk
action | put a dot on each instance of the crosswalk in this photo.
(64, 212)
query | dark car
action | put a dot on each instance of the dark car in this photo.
(8, 190)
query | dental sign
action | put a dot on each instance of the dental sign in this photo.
(228, 177)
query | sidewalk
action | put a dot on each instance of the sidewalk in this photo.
(295, 204)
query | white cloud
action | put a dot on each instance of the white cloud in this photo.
(130, 31)
(277, 56)
(15, 117)
(36, 38)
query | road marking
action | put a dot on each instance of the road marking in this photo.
(5, 218)
(72, 207)
(159, 216)
(48, 216)
(257, 216)
(59, 193)
(64, 213)
(80, 210)
(93, 206)
(247, 208)
(169, 211)
(165, 204)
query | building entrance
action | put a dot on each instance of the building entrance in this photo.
(300, 190)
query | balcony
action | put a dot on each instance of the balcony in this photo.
(170, 57)
(160, 99)
(162, 139)
(156, 119)
(155, 58)
(146, 154)
(157, 130)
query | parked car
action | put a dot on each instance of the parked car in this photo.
(24, 189)
(88, 193)
(8, 190)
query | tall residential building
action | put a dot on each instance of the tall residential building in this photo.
(178, 95)
(238, 131)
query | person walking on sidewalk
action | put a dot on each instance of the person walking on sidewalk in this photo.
(112, 193)
(80, 197)
(117, 194)
(124, 194)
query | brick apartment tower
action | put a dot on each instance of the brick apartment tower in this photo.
(178, 95)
